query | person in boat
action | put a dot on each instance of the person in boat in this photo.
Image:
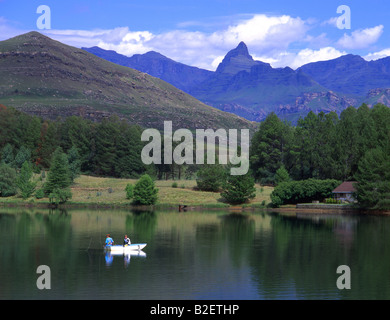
(126, 241)
(109, 241)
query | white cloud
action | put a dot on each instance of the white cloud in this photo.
(269, 39)
(264, 35)
(361, 38)
(307, 55)
(304, 56)
(378, 55)
(332, 22)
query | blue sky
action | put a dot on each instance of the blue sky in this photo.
(200, 32)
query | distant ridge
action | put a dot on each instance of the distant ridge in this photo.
(350, 74)
(252, 89)
(155, 64)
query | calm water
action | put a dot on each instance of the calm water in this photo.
(193, 255)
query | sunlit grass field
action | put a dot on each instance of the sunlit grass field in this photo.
(111, 191)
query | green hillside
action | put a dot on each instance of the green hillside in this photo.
(47, 78)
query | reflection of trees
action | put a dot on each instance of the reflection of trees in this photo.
(296, 251)
(304, 254)
(239, 231)
(231, 236)
(144, 225)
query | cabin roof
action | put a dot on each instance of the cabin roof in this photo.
(345, 187)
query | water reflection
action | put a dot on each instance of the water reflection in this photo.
(109, 257)
(194, 255)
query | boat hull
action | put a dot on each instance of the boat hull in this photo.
(126, 249)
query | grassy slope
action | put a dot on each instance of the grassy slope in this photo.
(95, 191)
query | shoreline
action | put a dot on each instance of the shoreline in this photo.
(308, 208)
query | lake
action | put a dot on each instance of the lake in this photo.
(212, 255)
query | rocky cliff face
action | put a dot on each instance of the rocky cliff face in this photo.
(237, 60)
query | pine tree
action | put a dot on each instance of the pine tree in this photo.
(74, 163)
(270, 148)
(7, 154)
(239, 189)
(373, 177)
(282, 175)
(59, 174)
(23, 155)
(24, 181)
(7, 180)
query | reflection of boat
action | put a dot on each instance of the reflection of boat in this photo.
(109, 256)
(125, 249)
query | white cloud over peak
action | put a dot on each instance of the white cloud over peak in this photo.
(361, 38)
(378, 55)
(264, 35)
(279, 40)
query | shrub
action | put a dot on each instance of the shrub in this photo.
(302, 191)
(40, 193)
(129, 191)
(59, 196)
(174, 185)
(145, 193)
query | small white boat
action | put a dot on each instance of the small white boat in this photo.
(125, 249)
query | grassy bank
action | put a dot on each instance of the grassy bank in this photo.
(96, 191)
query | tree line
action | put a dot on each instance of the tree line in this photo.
(354, 146)
(324, 146)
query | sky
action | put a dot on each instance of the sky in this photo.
(200, 32)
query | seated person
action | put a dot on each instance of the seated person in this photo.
(126, 241)
(109, 241)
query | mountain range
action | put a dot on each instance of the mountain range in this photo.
(47, 78)
(252, 89)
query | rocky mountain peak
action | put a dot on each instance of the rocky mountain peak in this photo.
(237, 60)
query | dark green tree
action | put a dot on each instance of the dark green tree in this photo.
(270, 148)
(129, 147)
(7, 180)
(78, 132)
(373, 177)
(211, 177)
(106, 140)
(59, 174)
(74, 163)
(48, 142)
(23, 155)
(7, 154)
